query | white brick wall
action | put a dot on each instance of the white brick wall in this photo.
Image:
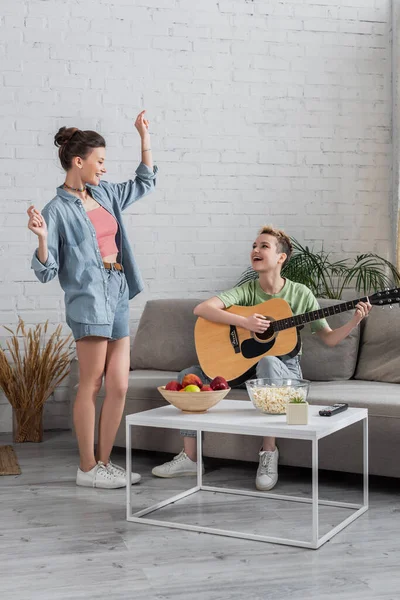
(262, 111)
(395, 215)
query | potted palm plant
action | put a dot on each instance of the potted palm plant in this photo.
(30, 370)
(328, 278)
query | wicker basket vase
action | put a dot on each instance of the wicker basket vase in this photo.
(32, 364)
(28, 425)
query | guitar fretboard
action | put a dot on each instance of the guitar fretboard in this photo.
(315, 315)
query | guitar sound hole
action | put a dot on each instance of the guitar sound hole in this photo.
(267, 335)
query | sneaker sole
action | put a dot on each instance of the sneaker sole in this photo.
(266, 488)
(182, 474)
(137, 480)
(100, 487)
(133, 481)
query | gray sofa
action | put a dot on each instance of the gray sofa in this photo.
(364, 370)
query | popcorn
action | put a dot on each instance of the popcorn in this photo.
(273, 400)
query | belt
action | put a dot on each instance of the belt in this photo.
(113, 266)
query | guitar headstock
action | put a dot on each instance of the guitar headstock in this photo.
(385, 297)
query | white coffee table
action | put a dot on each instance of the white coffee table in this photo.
(240, 417)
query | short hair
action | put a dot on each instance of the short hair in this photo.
(283, 241)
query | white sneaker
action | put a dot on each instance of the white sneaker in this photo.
(120, 473)
(98, 477)
(267, 472)
(180, 466)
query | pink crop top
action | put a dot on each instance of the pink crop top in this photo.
(106, 229)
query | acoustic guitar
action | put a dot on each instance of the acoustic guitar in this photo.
(233, 352)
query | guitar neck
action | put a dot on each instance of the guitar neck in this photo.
(315, 315)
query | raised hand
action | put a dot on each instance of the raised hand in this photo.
(142, 124)
(36, 222)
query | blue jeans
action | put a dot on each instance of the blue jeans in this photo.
(269, 367)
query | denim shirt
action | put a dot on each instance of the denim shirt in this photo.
(74, 253)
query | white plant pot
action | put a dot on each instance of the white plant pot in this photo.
(297, 414)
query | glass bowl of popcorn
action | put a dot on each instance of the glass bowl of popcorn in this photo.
(271, 396)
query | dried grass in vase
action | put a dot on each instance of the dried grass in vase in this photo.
(36, 367)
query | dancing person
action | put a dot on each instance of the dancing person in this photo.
(82, 239)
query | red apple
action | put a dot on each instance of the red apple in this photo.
(191, 379)
(206, 388)
(173, 386)
(219, 383)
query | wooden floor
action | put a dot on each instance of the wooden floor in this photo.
(58, 541)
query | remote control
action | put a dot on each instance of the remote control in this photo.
(328, 411)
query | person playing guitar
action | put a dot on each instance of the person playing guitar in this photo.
(270, 252)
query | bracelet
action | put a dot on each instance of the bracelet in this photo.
(147, 150)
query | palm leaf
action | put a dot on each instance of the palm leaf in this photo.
(328, 279)
(371, 273)
(312, 269)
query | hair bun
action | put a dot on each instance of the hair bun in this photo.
(64, 134)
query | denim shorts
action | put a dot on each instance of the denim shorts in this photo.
(119, 303)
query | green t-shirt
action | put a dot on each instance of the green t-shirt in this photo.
(297, 295)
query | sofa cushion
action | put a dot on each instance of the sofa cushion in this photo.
(164, 340)
(381, 399)
(322, 363)
(379, 358)
(143, 383)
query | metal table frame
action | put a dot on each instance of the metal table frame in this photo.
(315, 542)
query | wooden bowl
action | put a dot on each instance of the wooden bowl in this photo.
(193, 402)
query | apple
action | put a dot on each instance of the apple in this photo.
(192, 388)
(206, 388)
(191, 379)
(219, 383)
(173, 386)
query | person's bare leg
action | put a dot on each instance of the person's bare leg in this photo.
(116, 384)
(269, 444)
(91, 353)
(190, 447)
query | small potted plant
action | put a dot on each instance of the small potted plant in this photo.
(297, 411)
